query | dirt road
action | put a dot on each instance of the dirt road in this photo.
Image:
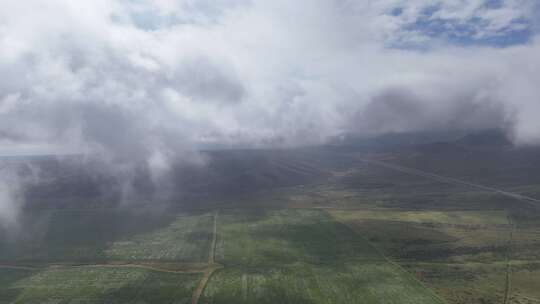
(212, 266)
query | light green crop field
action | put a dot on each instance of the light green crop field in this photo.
(465, 256)
(185, 239)
(303, 256)
(450, 236)
(464, 283)
(95, 285)
(281, 237)
(438, 217)
(350, 282)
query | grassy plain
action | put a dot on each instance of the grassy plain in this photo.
(433, 235)
(186, 239)
(95, 285)
(348, 282)
(267, 238)
(463, 283)
(105, 235)
(303, 256)
(367, 234)
(465, 256)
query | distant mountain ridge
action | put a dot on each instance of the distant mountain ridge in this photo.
(436, 140)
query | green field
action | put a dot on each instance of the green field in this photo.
(186, 239)
(303, 256)
(109, 235)
(281, 237)
(366, 235)
(365, 255)
(349, 282)
(95, 285)
(463, 283)
(465, 256)
(343, 223)
(266, 256)
(436, 217)
(456, 236)
(105, 256)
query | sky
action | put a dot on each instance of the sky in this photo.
(152, 78)
(151, 82)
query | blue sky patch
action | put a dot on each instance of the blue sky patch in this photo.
(473, 31)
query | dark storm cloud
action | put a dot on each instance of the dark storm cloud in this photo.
(402, 110)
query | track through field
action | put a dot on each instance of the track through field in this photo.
(212, 266)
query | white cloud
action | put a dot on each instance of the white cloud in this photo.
(232, 69)
(145, 82)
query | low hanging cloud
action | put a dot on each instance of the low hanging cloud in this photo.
(149, 82)
(9, 201)
(14, 178)
(403, 110)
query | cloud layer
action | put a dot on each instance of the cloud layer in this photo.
(142, 84)
(145, 75)
(137, 76)
(149, 81)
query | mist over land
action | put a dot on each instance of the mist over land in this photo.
(147, 83)
(114, 113)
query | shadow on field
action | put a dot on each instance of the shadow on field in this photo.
(67, 235)
(319, 242)
(277, 238)
(8, 280)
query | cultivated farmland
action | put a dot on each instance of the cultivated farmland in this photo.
(303, 256)
(95, 285)
(342, 230)
(109, 235)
